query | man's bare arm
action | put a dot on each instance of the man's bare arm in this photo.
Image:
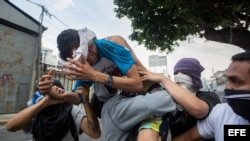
(120, 40)
(190, 135)
(90, 124)
(22, 119)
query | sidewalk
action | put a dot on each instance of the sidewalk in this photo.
(11, 136)
(4, 119)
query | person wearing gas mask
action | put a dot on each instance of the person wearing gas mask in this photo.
(235, 111)
(192, 104)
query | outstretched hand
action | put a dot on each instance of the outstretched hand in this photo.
(84, 91)
(45, 86)
(78, 71)
(150, 76)
(73, 97)
(45, 83)
(51, 101)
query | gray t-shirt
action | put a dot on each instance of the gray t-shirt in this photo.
(121, 114)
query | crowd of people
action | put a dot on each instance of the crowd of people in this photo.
(133, 103)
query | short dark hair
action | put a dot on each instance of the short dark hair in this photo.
(58, 83)
(66, 41)
(243, 56)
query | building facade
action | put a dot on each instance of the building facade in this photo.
(19, 56)
(158, 64)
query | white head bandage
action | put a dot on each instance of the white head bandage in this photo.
(185, 81)
(86, 37)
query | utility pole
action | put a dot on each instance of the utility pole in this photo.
(37, 62)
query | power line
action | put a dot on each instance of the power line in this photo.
(60, 21)
(59, 29)
(45, 10)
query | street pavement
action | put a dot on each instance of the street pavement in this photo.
(21, 136)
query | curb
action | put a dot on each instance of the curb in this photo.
(2, 124)
(4, 118)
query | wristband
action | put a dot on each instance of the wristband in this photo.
(109, 81)
(80, 97)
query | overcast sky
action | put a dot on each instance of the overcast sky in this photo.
(99, 16)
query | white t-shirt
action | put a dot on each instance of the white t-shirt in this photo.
(213, 126)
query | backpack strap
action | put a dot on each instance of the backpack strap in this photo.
(164, 127)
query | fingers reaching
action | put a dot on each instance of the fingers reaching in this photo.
(45, 82)
(83, 90)
(52, 101)
(77, 63)
(50, 72)
(58, 89)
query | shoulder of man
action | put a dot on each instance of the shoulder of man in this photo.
(207, 94)
(117, 39)
(211, 98)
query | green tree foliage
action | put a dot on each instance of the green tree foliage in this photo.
(159, 24)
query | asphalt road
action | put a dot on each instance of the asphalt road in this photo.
(10, 136)
(21, 136)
